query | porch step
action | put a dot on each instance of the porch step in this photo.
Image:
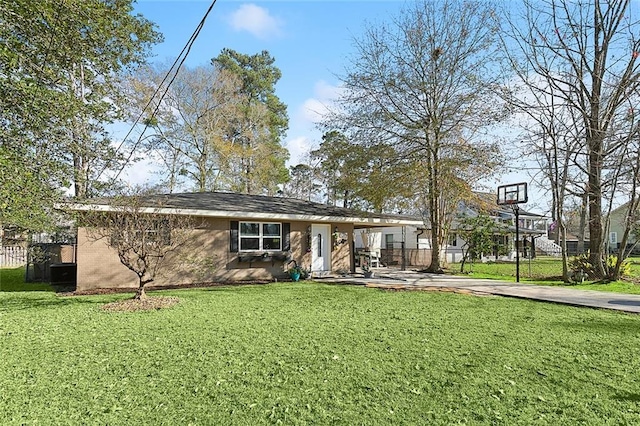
(548, 247)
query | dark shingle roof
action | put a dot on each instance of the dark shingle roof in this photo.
(237, 204)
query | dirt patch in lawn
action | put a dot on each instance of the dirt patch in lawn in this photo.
(146, 304)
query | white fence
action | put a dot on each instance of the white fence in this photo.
(13, 257)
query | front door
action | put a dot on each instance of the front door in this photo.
(320, 249)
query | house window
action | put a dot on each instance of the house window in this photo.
(260, 236)
(388, 239)
(453, 240)
(613, 238)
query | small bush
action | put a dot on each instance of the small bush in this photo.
(580, 265)
(625, 266)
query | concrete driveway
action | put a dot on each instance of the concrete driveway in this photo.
(411, 280)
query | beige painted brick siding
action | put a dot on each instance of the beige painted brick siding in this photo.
(205, 258)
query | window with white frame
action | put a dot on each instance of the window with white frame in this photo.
(613, 238)
(260, 236)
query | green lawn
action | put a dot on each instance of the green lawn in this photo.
(307, 353)
(545, 271)
(12, 279)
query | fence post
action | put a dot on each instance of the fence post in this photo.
(404, 257)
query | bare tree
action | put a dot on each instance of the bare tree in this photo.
(584, 53)
(424, 86)
(188, 131)
(143, 236)
(552, 138)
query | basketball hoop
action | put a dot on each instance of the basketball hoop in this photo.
(515, 193)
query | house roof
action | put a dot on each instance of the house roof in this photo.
(244, 206)
(486, 202)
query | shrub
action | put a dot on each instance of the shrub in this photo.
(581, 264)
(625, 266)
(581, 267)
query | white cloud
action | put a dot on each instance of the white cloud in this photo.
(314, 109)
(256, 20)
(304, 134)
(325, 90)
(298, 147)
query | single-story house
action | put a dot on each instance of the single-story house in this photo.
(239, 238)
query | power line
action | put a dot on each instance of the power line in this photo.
(182, 57)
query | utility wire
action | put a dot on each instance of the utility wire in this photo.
(182, 57)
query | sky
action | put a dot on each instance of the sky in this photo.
(310, 41)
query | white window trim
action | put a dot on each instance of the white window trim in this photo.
(260, 236)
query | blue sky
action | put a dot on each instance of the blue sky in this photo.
(310, 41)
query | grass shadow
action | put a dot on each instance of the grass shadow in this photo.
(627, 396)
(618, 325)
(12, 303)
(12, 280)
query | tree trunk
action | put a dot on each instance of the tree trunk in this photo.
(78, 177)
(464, 260)
(583, 223)
(595, 211)
(434, 215)
(563, 241)
(140, 293)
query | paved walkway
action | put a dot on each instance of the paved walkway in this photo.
(411, 280)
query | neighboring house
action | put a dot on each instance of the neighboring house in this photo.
(242, 238)
(532, 229)
(617, 219)
(416, 240)
(572, 244)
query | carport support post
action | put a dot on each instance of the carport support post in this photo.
(404, 247)
(517, 211)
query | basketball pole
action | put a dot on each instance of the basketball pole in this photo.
(517, 212)
(514, 194)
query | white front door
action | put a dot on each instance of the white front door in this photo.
(320, 249)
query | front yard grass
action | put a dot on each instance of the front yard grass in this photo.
(309, 353)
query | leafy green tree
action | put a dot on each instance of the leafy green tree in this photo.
(340, 168)
(60, 64)
(27, 188)
(302, 183)
(361, 176)
(258, 161)
(477, 233)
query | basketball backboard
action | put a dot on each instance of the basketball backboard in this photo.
(515, 193)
